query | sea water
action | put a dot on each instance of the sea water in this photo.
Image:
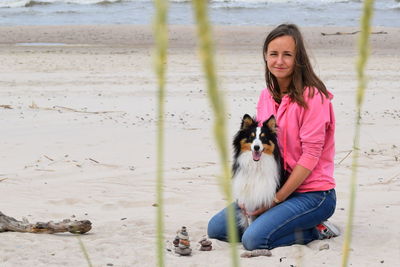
(222, 12)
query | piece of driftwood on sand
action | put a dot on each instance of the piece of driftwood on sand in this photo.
(9, 224)
(350, 33)
(256, 253)
(61, 108)
(6, 106)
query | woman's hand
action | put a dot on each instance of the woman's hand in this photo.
(243, 209)
(260, 210)
(254, 212)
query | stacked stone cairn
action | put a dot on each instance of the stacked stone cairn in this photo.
(205, 244)
(182, 243)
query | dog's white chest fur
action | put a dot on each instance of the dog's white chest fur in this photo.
(255, 182)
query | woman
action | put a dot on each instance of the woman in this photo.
(306, 124)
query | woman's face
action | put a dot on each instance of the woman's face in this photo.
(280, 56)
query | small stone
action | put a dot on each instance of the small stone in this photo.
(205, 243)
(205, 248)
(184, 242)
(183, 251)
(183, 236)
(176, 241)
(110, 264)
(324, 246)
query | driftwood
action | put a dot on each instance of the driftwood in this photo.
(256, 253)
(60, 108)
(350, 33)
(76, 227)
(6, 106)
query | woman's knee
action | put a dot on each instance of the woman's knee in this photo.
(216, 228)
(251, 240)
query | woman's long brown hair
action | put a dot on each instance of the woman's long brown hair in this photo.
(303, 73)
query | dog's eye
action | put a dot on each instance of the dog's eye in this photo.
(262, 134)
(253, 134)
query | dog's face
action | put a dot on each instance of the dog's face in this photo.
(256, 139)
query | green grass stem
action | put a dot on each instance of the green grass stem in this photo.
(161, 42)
(363, 46)
(207, 57)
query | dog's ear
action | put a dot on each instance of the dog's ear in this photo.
(247, 121)
(270, 124)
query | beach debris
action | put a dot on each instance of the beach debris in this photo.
(205, 244)
(350, 33)
(62, 108)
(95, 161)
(182, 243)
(47, 157)
(256, 253)
(9, 224)
(348, 154)
(324, 246)
(6, 106)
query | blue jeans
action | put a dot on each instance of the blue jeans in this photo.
(291, 222)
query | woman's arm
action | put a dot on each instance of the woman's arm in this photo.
(296, 178)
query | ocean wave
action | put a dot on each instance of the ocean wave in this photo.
(36, 3)
(31, 3)
(395, 7)
(384, 4)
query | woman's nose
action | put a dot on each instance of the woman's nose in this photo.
(280, 59)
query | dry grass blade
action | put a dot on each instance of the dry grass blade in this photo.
(362, 60)
(207, 56)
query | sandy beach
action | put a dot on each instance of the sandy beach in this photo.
(78, 141)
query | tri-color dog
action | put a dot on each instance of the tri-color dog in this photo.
(257, 166)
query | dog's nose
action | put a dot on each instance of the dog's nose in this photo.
(256, 147)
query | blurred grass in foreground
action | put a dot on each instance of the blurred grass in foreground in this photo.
(161, 41)
(363, 47)
(217, 103)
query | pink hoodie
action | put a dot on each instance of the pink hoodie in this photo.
(306, 136)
